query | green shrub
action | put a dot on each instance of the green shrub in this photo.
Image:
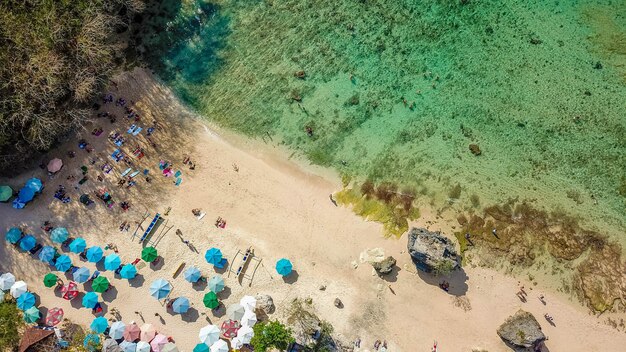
(10, 322)
(273, 334)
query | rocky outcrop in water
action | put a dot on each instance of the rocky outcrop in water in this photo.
(522, 332)
(431, 251)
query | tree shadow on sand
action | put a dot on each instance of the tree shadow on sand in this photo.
(457, 280)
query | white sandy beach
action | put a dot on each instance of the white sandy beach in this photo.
(281, 209)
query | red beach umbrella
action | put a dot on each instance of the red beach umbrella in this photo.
(70, 291)
(229, 328)
(132, 332)
(55, 315)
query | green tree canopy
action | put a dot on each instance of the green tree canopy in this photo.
(272, 334)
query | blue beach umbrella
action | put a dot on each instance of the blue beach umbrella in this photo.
(94, 254)
(63, 263)
(28, 242)
(216, 284)
(201, 347)
(47, 254)
(284, 267)
(26, 195)
(91, 341)
(99, 324)
(59, 235)
(213, 256)
(128, 272)
(35, 184)
(25, 301)
(112, 262)
(192, 274)
(13, 235)
(180, 305)
(31, 315)
(78, 245)
(81, 275)
(128, 346)
(90, 299)
(160, 288)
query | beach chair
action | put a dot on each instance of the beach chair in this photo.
(177, 174)
(134, 174)
(137, 131)
(94, 276)
(178, 181)
(131, 129)
(35, 249)
(150, 227)
(126, 171)
(115, 153)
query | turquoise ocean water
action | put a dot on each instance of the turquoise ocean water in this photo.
(396, 91)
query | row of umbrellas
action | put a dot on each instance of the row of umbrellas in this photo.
(32, 187)
(135, 338)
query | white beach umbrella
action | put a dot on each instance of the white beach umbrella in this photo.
(142, 346)
(116, 331)
(235, 312)
(128, 346)
(248, 302)
(219, 346)
(209, 334)
(6, 281)
(236, 343)
(248, 319)
(18, 289)
(2, 296)
(245, 334)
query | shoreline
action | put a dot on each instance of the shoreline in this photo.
(272, 198)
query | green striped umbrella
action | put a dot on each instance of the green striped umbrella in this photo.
(31, 315)
(50, 280)
(100, 284)
(210, 300)
(6, 192)
(149, 254)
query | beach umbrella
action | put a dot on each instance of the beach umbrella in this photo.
(128, 346)
(160, 288)
(147, 332)
(192, 274)
(55, 315)
(59, 235)
(210, 300)
(170, 347)
(63, 263)
(116, 331)
(248, 319)
(6, 193)
(26, 195)
(143, 346)
(284, 267)
(6, 281)
(13, 235)
(25, 301)
(213, 256)
(35, 184)
(180, 305)
(201, 347)
(158, 342)
(50, 280)
(149, 254)
(91, 341)
(219, 346)
(245, 334)
(99, 324)
(81, 275)
(18, 289)
(112, 262)
(248, 302)
(111, 345)
(236, 343)
(209, 334)
(216, 284)
(69, 290)
(90, 299)
(47, 254)
(235, 312)
(132, 332)
(100, 284)
(31, 315)
(78, 245)
(55, 165)
(229, 328)
(94, 254)
(128, 271)
(28, 242)
(17, 204)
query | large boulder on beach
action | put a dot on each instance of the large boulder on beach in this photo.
(522, 333)
(377, 259)
(431, 251)
(264, 303)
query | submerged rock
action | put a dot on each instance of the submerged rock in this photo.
(475, 149)
(431, 251)
(522, 332)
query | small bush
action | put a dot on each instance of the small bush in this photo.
(10, 322)
(272, 334)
